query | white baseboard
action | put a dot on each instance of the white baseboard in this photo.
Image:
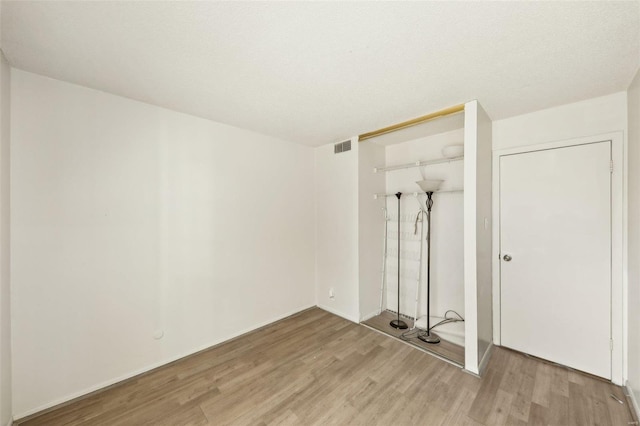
(634, 402)
(129, 375)
(471, 373)
(338, 313)
(485, 359)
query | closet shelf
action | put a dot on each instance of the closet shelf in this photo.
(414, 194)
(417, 164)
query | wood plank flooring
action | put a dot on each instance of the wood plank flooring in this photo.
(317, 368)
(448, 350)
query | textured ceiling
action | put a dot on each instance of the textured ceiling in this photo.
(315, 73)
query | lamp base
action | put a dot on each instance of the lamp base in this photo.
(430, 338)
(399, 324)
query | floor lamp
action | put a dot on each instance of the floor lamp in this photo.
(398, 323)
(429, 187)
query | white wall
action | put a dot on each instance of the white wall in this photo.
(447, 240)
(5, 305)
(477, 234)
(370, 227)
(131, 220)
(586, 118)
(484, 232)
(336, 198)
(633, 302)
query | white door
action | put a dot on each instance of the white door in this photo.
(555, 248)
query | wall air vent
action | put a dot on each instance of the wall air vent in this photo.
(342, 147)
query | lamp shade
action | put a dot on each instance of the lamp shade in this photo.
(429, 185)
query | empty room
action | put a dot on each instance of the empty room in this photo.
(314, 213)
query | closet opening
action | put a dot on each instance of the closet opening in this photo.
(420, 204)
(414, 159)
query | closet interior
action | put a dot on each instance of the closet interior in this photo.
(423, 225)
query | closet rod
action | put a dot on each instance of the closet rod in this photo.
(415, 194)
(416, 164)
(413, 122)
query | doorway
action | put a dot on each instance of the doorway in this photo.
(558, 250)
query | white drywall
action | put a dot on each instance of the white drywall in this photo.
(483, 186)
(5, 305)
(633, 302)
(447, 277)
(132, 221)
(370, 226)
(477, 235)
(587, 118)
(592, 117)
(336, 198)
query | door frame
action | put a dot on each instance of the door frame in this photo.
(618, 240)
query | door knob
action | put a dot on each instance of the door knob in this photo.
(507, 258)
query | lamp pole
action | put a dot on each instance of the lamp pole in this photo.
(429, 337)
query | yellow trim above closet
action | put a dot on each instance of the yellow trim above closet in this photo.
(413, 122)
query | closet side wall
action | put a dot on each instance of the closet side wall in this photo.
(470, 238)
(477, 235)
(484, 232)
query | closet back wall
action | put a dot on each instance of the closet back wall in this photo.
(447, 257)
(132, 221)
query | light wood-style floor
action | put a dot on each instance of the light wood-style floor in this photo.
(448, 350)
(316, 368)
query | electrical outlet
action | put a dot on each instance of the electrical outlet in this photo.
(332, 294)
